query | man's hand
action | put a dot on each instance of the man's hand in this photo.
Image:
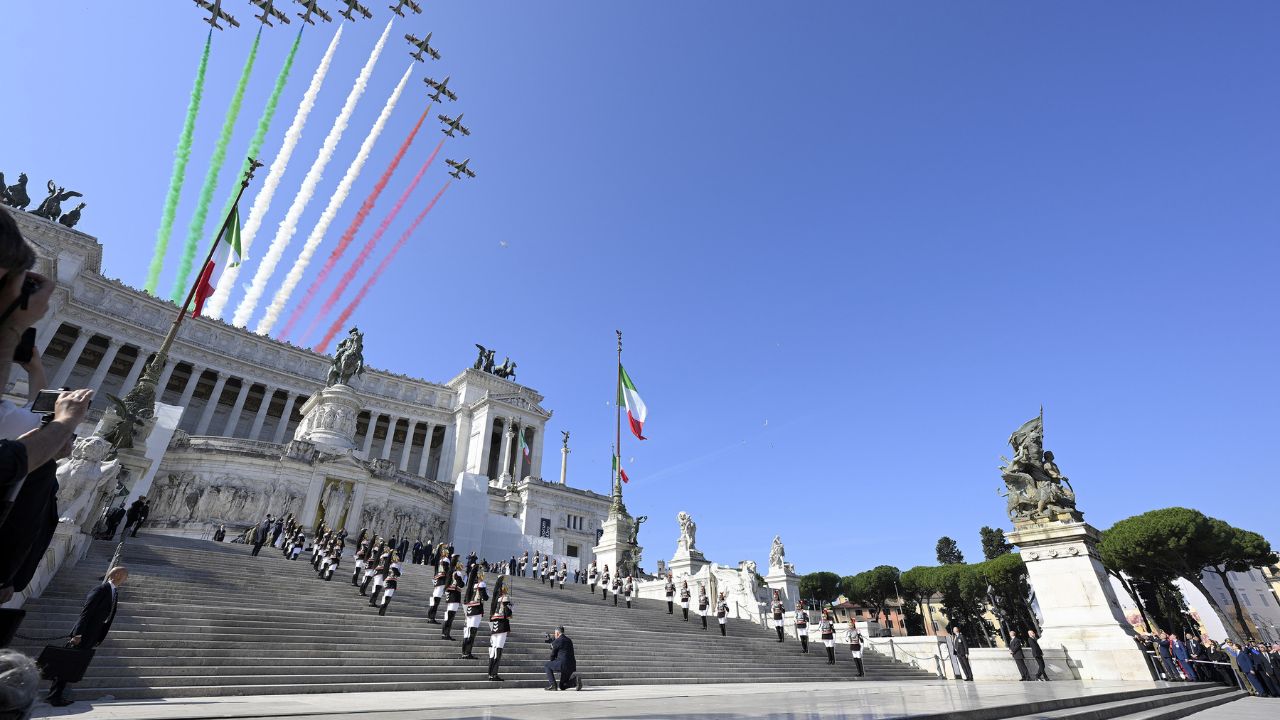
(72, 406)
(6, 594)
(75, 640)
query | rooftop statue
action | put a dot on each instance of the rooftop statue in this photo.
(51, 207)
(1037, 488)
(348, 359)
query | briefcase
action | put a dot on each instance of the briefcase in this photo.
(65, 663)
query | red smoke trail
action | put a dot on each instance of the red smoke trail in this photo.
(386, 261)
(367, 250)
(365, 208)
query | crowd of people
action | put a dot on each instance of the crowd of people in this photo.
(1252, 666)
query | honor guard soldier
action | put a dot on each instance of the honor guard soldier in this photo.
(704, 603)
(437, 592)
(564, 573)
(722, 613)
(604, 584)
(827, 628)
(524, 563)
(499, 626)
(299, 541)
(542, 572)
(388, 592)
(629, 589)
(370, 569)
(779, 612)
(359, 569)
(616, 589)
(453, 600)
(802, 627)
(477, 595)
(670, 590)
(537, 563)
(331, 562)
(379, 580)
(854, 638)
(554, 573)
(593, 576)
(684, 599)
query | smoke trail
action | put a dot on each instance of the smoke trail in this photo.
(365, 208)
(367, 250)
(339, 197)
(195, 233)
(262, 201)
(180, 157)
(386, 261)
(255, 144)
(289, 226)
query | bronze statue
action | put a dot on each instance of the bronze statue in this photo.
(506, 370)
(1037, 488)
(73, 217)
(121, 434)
(484, 353)
(15, 196)
(51, 207)
(635, 530)
(565, 433)
(348, 359)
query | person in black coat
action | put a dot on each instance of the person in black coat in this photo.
(114, 516)
(562, 661)
(961, 652)
(134, 517)
(95, 622)
(1038, 655)
(1019, 658)
(261, 534)
(26, 533)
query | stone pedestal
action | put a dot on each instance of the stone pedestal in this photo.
(1078, 606)
(786, 582)
(613, 546)
(686, 562)
(329, 419)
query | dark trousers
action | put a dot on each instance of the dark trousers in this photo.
(1022, 667)
(964, 665)
(1040, 673)
(566, 676)
(56, 688)
(257, 548)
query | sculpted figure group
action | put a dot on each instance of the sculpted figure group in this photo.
(17, 197)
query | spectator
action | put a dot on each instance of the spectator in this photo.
(18, 683)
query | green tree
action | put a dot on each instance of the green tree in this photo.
(873, 588)
(1006, 577)
(821, 586)
(993, 543)
(918, 585)
(949, 552)
(963, 594)
(1181, 542)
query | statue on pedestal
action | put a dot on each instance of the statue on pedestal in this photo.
(777, 553)
(348, 359)
(1037, 488)
(688, 532)
(635, 530)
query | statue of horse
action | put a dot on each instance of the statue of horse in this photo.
(16, 195)
(348, 360)
(51, 207)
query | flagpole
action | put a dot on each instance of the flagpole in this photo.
(617, 470)
(140, 400)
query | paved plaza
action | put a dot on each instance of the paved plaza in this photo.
(808, 700)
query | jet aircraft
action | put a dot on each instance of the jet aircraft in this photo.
(353, 5)
(216, 13)
(398, 8)
(269, 11)
(460, 168)
(312, 7)
(452, 124)
(422, 45)
(441, 88)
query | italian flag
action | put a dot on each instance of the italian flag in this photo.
(629, 397)
(617, 468)
(524, 447)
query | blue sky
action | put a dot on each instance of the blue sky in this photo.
(852, 245)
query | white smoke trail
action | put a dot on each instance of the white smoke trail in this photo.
(289, 226)
(281, 162)
(330, 212)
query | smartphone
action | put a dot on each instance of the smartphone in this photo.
(45, 400)
(26, 347)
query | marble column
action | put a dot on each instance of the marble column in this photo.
(408, 445)
(426, 450)
(535, 453)
(165, 375)
(390, 438)
(268, 394)
(229, 430)
(368, 434)
(69, 362)
(108, 357)
(504, 457)
(212, 405)
(451, 461)
(284, 417)
(135, 370)
(564, 464)
(197, 372)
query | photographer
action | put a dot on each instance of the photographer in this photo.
(28, 504)
(562, 660)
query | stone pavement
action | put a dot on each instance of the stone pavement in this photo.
(1251, 708)
(821, 699)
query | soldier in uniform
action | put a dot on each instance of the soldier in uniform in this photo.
(543, 572)
(477, 595)
(453, 600)
(593, 576)
(524, 563)
(537, 563)
(802, 627)
(854, 638)
(779, 612)
(670, 590)
(564, 573)
(629, 588)
(616, 589)
(380, 575)
(704, 603)
(722, 613)
(604, 584)
(359, 569)
(370, 569)
(499, 626)
(827, 627)
(299, 541)
(684, 599)
(389, 590)
(553, 572)
(437, 592)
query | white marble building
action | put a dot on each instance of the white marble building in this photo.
(240, 397)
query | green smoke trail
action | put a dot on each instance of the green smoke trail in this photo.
(264, 123)
(196, 230)
(180, 158)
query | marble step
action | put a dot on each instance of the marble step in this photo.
(1185, 701)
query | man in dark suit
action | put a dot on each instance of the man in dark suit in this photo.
(1019, 659)
(136, 515)
(962, 652)
(94, 624)
(563, 661)
(261, 534)
(27, 531)
(114, 516)
(1038, 655)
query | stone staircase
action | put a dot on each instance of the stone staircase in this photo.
(199, 618)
